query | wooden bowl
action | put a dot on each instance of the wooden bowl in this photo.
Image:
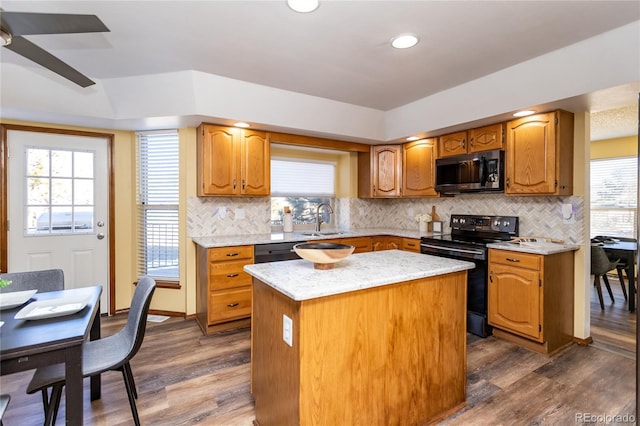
(323, 255)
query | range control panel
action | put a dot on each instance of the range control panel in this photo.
(497, 224)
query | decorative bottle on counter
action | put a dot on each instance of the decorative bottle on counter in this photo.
(287, 222)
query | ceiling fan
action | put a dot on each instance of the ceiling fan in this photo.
(15, 25)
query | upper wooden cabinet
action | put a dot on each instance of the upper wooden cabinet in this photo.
(390, 171)
(539, 155)
(452, 144)
(486, 138)
(233, 161)
(474, 140)
(419, 168)
(380, 172)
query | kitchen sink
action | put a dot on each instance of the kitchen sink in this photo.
(320, 234)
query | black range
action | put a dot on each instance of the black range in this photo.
(468, 241)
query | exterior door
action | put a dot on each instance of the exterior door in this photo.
(58, 190)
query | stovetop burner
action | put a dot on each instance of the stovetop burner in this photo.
(478, 230)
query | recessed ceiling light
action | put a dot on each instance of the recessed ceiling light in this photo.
(404, 41)
(523, 113)
(412, 138)
(303, 6)
(241, 124)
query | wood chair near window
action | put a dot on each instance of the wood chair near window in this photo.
(600, 265)
(99, 356)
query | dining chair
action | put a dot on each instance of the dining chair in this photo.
(4, 403)
(111, 353)
(44, 280)
(600, 265)
(622, 264)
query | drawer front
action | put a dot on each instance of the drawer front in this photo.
(231, 277)
(411, 244)
(224, 254)
(229, 305)
(514, 258)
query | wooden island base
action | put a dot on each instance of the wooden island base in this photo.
(394, 354)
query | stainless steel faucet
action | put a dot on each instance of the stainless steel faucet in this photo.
(318, 217)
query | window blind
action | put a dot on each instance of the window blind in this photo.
(614, 184)
(158, 196)
(290, 177)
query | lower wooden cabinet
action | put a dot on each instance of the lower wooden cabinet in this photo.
(223, 297)
(411, 244)
(386, 243)
(531, 298)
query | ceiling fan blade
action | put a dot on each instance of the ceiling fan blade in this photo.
(24, 23)
(24, 47)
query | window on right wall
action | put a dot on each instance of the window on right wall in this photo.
(614, 183)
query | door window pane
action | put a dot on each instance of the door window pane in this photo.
(59, 191)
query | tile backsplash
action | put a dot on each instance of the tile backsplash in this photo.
(539, 216)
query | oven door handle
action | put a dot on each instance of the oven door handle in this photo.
(457, 250)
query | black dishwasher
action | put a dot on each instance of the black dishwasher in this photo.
(274, 252)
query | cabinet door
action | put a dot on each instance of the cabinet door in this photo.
(361, 244)
(387, 171)
(514, 300)
(386, 243)
(256, 163)
(486, 138)
(453, 144)
(218, 161)
(531, 155)
(419, 168)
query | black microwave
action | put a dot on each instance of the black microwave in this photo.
(477, 172)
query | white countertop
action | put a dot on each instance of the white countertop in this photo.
(280, 237)
(299, 280)
(543, 248)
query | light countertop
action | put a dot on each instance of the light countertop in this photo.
(281, 237)
(543, 248)
(299, 280)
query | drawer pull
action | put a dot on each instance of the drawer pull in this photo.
(232, 305)
(232, 275)
(411, 244)
(232, 254)
(510, 259)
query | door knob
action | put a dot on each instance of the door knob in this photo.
(100, 236)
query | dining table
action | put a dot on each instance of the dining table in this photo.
(45, 339)
(625, 251)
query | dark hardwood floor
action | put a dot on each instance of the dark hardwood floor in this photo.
(185, 378)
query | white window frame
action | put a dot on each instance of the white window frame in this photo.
(614, 196)
(158, 211)
(302, 200)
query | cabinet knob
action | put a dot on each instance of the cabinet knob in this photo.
(234, 184)
(471, 142)
(491, 276)
(464, 143)
(232, 305)
(507, 182)
(242, 183)
(510, 259)
(232, 275)
(232, 254)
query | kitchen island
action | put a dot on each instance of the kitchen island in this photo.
(379, 339)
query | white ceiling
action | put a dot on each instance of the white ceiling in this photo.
(341, 51)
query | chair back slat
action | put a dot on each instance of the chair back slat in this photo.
(44, 280)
